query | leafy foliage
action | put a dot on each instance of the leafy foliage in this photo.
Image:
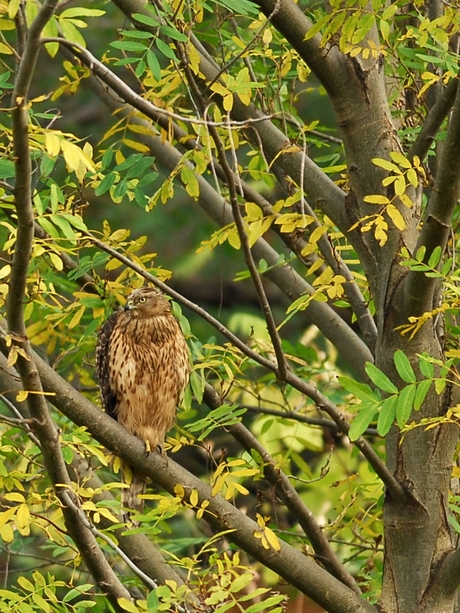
(215, 107)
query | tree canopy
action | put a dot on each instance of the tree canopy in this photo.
(289, 175)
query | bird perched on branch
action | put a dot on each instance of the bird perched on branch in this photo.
(142, 364)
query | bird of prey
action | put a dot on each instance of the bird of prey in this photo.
(143, 365)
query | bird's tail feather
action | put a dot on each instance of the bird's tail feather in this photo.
(136, 487)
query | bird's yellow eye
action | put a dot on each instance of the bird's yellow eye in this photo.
(142, 299)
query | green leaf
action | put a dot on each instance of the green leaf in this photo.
(265, 605)
(165, 49)
(106, 183)
(387, 415)
(405, 405)
(128, 45)
(197, 382)
(404, 367)
(48, 227)
(360, 390)
(243, 7)
(435, 257)
(63, 225)
(422, 390)
(154, 65)
(426, 367)
(173, 33)
(380, 379)
(362, 420)
(77, 592)
(6, 169)
(148, 20)
(75, 220)
(420, 254)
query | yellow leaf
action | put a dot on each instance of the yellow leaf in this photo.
(253, 212)
(116, 465)
(234, 239)
(400, 159)
(76, 159)
(314, 267)
(56, 261)
(5, 49)
(127, 605)
(406, 200)
(190, 182)
(12, 356)
(317, 234)
(217, 487)
(412, 177)
(272, 539)
(6, 533)
(13, 7)
(267, 36)
(228, 102)
(245, 472)
(194, 498)
(179, 490)
(22, 516)
(400, 185)
(76, 318)
(21, 396)
(72, 155)
(194, 59)
(88, 150)
(14, 497)
(386, 164)
(380, 232)
(136, 145)
(376, 199)
(220, 89)
(396, 217)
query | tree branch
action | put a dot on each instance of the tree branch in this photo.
(142, 553)
(288, 562)
(393, 485)
(325, 554)
(304, 419)
(420, 289)
(41, 423)
(436, 115)
(444, 586)
(316, 183)
(232, 180)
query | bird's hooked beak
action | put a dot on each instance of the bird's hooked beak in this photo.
(129, 305)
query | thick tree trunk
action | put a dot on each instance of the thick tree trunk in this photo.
(417, 533)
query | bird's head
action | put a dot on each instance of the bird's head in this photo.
(147, 302)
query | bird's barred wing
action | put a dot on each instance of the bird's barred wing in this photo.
(109, 399)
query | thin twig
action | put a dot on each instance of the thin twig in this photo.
(85, 521)
(242, 234)
(148, 108)
(304, 419)
(289, 495)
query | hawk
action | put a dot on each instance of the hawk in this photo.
(142, 363)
